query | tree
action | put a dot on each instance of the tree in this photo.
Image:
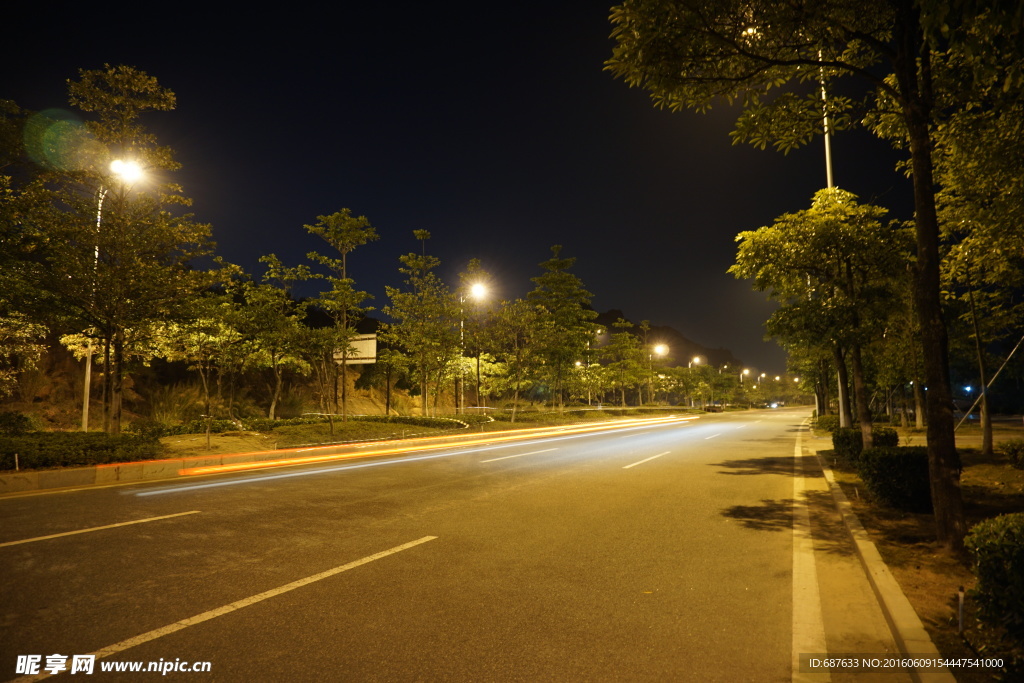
(624, 359)
(343, 303)
(564, 328)
(834, 267)
(425, 318)
(512, 335)
(270, 321)
(101, 253)
(688, 53)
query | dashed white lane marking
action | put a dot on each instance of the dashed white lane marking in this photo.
(519, 455)
(646, 460)
(712, 436)
(237, 605)
(97, 528)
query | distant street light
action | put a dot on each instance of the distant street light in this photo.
(128, 172)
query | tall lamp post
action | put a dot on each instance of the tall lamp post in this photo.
(689, 366)
(128, 172)
(476, 291)
(658, 350)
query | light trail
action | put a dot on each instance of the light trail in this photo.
(424, 445)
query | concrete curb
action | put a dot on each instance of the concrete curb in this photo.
(125, 472)
(908, 631)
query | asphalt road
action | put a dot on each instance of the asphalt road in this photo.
(655, 553)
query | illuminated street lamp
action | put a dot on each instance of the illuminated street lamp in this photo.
(693, 361)
(128, 172)
(477, 291)
(659, 350)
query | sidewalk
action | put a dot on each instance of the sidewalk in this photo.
(864, 611)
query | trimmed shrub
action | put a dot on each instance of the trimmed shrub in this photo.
(435, 422)
(14, 424)
(1014, 450)
(898, 477)
(74, 449)
(848, 441)
(884, 437)
(828, 423)
(997, 548)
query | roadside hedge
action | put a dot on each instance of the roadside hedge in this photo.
(997, 549)
(848, 441)
(1014, 450)
(897, 477)
(828, 423)
(39, 450)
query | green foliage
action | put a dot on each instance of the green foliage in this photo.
(563, 328)
(997, 548)
(1014, 450)
(828, 423)
(14, 424)
(885, 437)
(426, 321)
(848, 442)
(42, 450)
(435, 422)
(898, 477)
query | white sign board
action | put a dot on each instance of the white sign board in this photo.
(363, 350)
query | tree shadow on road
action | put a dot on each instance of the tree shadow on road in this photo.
(830, 535)
(772, 465)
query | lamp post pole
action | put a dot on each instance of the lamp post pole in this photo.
(127, 172)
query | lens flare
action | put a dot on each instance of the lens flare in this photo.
(58, 139)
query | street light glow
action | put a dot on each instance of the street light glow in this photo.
(478, 291)
(661, 349)
(127, 171)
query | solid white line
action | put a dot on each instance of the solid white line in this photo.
(97, 528)
(646, 460)
(808, 625)
(519, 455)
(712, 436)
(237, 605)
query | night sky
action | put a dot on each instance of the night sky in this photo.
(493, 126)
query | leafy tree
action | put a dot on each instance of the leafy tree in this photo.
(833, 266)
(688, 53)
(425, 318)
(564, 329)
(206, 340)
(116, 258)
(624, 359)
(270, 321)
(512, 336)
(343, 303)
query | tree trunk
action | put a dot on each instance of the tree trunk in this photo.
(272, 413)
(843, 388)
(860, 397)
(913, 76)
(117, 377)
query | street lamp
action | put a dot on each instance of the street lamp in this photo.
(660, 350)
(128, 172)
(477, 291)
